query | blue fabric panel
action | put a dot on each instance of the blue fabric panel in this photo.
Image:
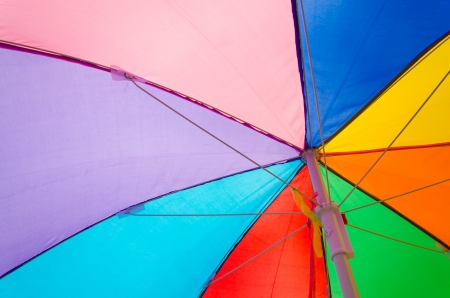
(152, 256)
(357, 47)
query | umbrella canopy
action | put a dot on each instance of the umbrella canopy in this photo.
(150, 148)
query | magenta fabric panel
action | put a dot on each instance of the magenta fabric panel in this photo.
(238, 55)
(77, 147)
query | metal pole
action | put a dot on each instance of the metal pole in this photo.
(334, 228)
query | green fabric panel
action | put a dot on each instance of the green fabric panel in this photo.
(383, 267)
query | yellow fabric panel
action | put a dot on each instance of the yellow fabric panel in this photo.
(379, 124)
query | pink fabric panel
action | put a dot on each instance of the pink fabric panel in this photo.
(236, 55)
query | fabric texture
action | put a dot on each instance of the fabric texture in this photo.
(424, 83)
(242, 63)
(138, 256)
(288, 269)
(401, 171)
(383, 267)
(357, 48)
(78, 147)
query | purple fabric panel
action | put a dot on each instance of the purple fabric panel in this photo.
(77, 147)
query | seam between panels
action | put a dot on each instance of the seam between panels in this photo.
(249, 227)
(115, 214)
(72, 59)
(419, 58)
(412, 147)
(217, 179)
(297, 38)
(375, 198)
(301, 66)
(301, 70)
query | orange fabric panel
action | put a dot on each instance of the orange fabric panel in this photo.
(400, 171)
(284, 271)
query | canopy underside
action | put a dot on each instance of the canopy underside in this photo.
(289, 269)
(384, 267)
(157, 256)
(244, 64)
(78, 147)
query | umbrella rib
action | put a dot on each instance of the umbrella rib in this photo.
(308, 112)
(315, 96)
(327, 273)
(221, 141)
(216, 214)
(396, 196)
(395, 139)
(398, 240)
(261, 253)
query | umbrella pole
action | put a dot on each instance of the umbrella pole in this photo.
(334, 228)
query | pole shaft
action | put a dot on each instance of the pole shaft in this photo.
(345, 276)
(337, 237)
(316, 177)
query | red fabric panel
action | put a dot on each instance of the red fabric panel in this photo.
(285, 270)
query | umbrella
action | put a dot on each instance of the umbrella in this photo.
(151, 149)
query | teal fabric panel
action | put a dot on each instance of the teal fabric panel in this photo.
(130, 256)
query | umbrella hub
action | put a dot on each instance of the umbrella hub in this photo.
(334, 229)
